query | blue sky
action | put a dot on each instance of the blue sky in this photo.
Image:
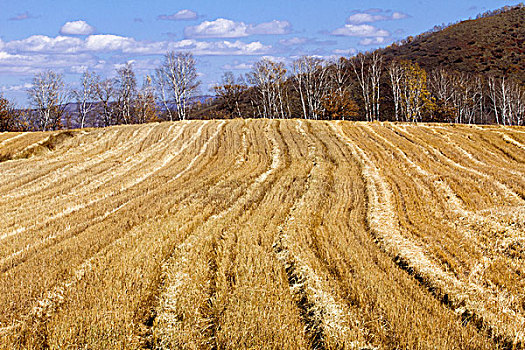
(70, 35)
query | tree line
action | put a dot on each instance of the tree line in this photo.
(99, 102)
(365, 87)
(362, 87)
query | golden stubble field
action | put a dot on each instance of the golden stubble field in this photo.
(263, 234)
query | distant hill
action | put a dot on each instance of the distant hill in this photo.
(491, 44)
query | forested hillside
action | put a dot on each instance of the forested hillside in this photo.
(490, 44)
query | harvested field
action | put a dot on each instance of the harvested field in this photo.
(263, 234)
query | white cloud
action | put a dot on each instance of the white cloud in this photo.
(13, 88)
(108, 43)
(299, 41)
(225, 28)
(77, 28)
(220, 28)
(359, 18)
(182, 15)
(226, 48)
(373, 41)
(236, 65)
(280, 59)
(30, 63)
(345, 52)
(293, 41)
(374, 15)
(73, 55)
(399, 15)
(361, 30)
(45, 44)
(268, 28)
(114, 43)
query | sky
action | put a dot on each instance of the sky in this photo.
(70, 36)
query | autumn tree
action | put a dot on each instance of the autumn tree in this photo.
(230, 91)
(415, 99)
(337, 101)
(48, 97)
(176, 81)
(145, 108)
(339, 105)
(9, 116)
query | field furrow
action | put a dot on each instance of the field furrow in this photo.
(446, 262)
(263, 234)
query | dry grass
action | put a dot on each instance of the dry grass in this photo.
(263, 234)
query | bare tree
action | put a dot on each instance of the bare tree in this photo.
(311, 82)
(518, 98)
(479, 88)
(176, 80)
(493, 95)
(395, 71)
(269, 79)
(440, 84)
(126, 84)
(85, 95)
(49, 97)
(363, 78)
(338, 74)
(375, 71)
(368, 70)
(161, 84)
(260, 77)
(508, 99)
(104, 94)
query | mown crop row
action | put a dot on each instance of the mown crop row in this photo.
(283, 234)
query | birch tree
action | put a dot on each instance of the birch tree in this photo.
(269, 79)
(84, 96)
(360, 68)
(176, 81)
(337, 98)
(48, 96)
(440, 85)
(375, 72)
(508, 100)
(395, 72)
(126, 84)
(311, 80)
(493, 95)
